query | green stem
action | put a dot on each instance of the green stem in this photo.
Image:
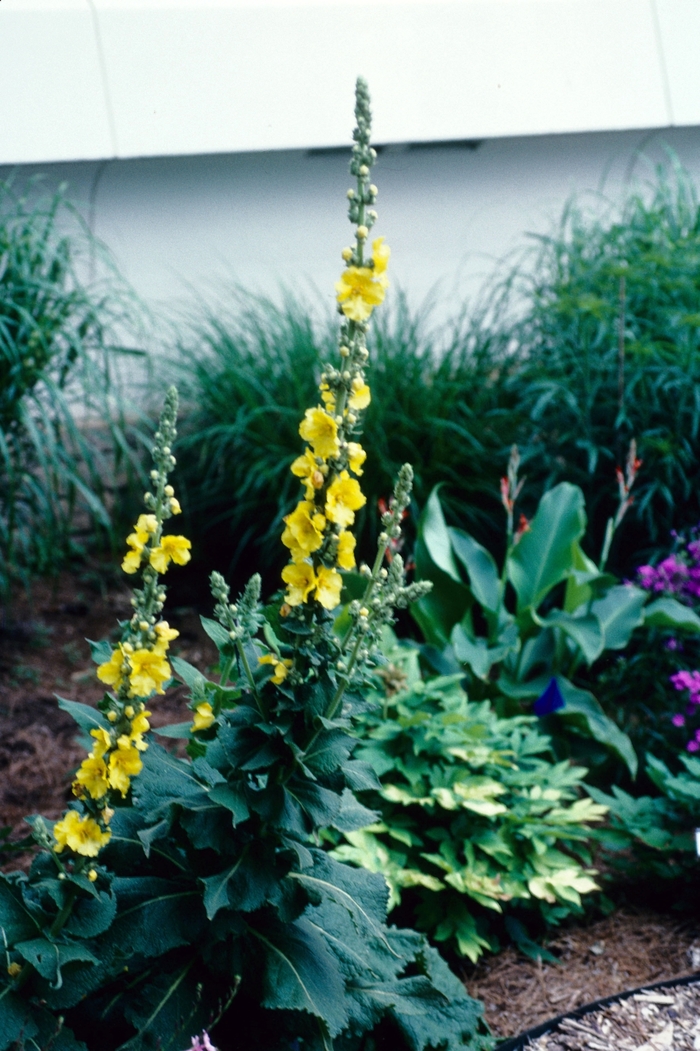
(249, 676)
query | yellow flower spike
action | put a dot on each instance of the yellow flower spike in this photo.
(80, 834)
(356, 457)
(124, 763)
(359, 292)
(203, 717)
(328, 587)
(111, 671)
(149, 670)
(281, 667)
(343, 498)
(92, 775)
(361, 395)
(300, 580)
(321, 432)
(171, 549)
(103, 742)
(346, 551)
(304, 532)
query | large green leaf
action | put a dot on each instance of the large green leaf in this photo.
(544, 555)
(476, 652)
(578, 586)
(669, 613)
(586, 632)
(15, 1018)
(301, 974)
(433, 531)
(584, 713)
(15, 921)
(481, 569)
(48, 957)
(619, 611)
(86, 717)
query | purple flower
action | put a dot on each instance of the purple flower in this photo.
(678, 720)
(204, 1044)
(693, 746)
(673, 644)
(550, 700)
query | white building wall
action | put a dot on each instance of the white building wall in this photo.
(181, 225)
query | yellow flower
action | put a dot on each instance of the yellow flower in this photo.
(111, 671)
(380, 255)
(124, 763)
(203, 717)
(92, 775)
(80, 834)
(360, 291)
(346, 551)
(306, 468)
(327, 397)
(304, 532)
(328, 587)
(356, 457)
(92, 875)
(146, 525)
(139, 726)
(343, 498)
(321, 432)
(175, 506)
(149, 670)
(281, 667)
(165, 636)
(361, 396)
(300, 580)
(103, 742)
(171, 549)
(132, 560)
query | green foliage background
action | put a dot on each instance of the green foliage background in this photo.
(57, 354)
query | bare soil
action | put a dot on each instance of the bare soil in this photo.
(43, 652)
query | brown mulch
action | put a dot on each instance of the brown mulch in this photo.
(43, 652)
(623, 951)
(651, 1020)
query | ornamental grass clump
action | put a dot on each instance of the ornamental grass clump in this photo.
(213, 908)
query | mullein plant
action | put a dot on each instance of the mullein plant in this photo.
(214, 907)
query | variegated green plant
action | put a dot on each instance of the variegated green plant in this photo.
(480, 831)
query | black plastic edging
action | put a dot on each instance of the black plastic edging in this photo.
(518, 1043)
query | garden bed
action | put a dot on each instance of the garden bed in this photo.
(45, 653)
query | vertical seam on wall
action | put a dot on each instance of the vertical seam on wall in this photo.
(105, 79)
(662, 61)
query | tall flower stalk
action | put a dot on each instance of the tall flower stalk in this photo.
(136, 669)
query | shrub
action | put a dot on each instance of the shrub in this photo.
(56, 347)
(480, 831)
(608, 342)
(182, 893)
(652, 838)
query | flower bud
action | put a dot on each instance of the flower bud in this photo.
(92, 875)
(112, 716)
(169, 491)
(364, 170)
(351, 194)
(347, 254)
(362, 232)
(373, 190)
